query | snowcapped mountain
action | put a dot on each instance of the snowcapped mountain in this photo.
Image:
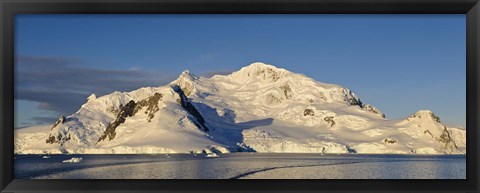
(259, 108)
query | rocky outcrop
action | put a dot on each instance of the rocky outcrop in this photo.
(372, 109)
(353, 102)
(329, 120)
(187, 105)
(390, 140)
(308, 112)
(426, 119)
(428, 132)
(268, 74)
(446, 140)
(420, 114)
(350, 98)
(61, 137)
(127, 111)
(60, 120)
(287, 91)
(151, 103)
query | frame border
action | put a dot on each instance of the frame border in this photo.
(9, 8)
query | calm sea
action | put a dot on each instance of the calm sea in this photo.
(241, 166)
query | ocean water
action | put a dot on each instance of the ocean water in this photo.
(241, 166)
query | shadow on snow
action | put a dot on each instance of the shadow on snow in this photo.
(225, 130)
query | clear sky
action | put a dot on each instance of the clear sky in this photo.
(398, 63)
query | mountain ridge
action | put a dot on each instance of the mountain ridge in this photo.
(258, 108)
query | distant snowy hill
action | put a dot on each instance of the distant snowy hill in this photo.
(260, 108)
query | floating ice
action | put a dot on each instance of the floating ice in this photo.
(73, 160)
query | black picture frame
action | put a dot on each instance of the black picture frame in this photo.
(9, 8)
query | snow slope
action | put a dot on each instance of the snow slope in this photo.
(259, 108)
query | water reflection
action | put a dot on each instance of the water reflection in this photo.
(243, 166)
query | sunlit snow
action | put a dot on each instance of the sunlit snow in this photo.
(259, 108)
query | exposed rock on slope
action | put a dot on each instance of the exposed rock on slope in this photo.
(59, 138)
(199, 121)
(126, 111)
(259, 108)
(372, 109)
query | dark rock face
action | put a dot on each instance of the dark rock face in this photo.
(390, 140)
(428, 132)
(60, 138)
(268, 74)
(308, 112)
(372, 109)
(330, 120)
(129, 110)
(436, 118)
(447, 141)
(187, 105)
(444, 139)
(51, 139)
(431, 114)
(152, 105)
(353, 101)
(60, 120)
(287, 91)
(351, 150)
(350, 99)
(126, 111)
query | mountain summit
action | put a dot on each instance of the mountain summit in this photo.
(259, 108)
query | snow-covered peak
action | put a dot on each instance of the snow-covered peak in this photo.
(186, 75)
(91, 97)
(259, 72)
(259, 108)
(186, 81)
(427, 121)
(272, 86)
(260, 65)
(424, 115)
(423, 112)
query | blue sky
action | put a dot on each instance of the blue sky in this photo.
(398, 63)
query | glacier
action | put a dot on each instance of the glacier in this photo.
(259, 108)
